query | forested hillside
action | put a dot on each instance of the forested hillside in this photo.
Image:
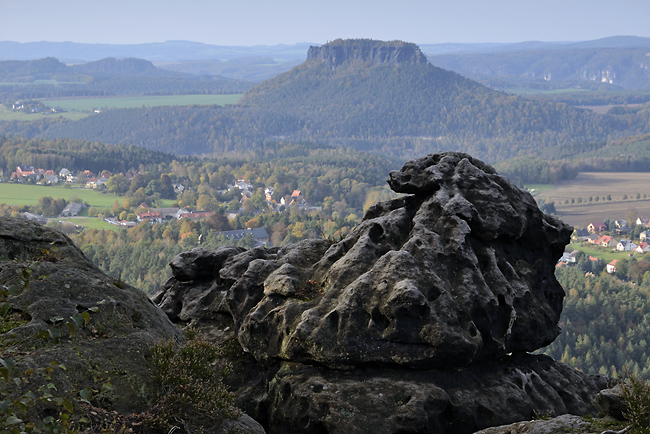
(193, 130)
(626, 68)
(362, 95)
(77, 155)
(605, 321)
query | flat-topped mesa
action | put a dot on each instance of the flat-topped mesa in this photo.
(340, 51)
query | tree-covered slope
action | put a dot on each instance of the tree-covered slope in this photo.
(370, 95)
(50, 78)
(348, 94)
(621, 67)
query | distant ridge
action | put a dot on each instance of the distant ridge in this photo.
(129, 66)
(368, 95)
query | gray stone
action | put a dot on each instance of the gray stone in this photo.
(116, 342)
(460, 271)
(611, 403)
(340, 51)
(559, 424)
(418, 321)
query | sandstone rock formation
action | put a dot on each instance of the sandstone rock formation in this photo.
(339, 51)
(114, 347)
(418, 321)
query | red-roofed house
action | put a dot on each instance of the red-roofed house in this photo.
(152, 216)
(196, 215)
(606, 241)
(611, 267)
(642, 248)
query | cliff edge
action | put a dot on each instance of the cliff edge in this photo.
(339, 51)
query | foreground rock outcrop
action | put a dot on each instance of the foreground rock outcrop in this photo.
(115, 345)
(420, 320)
(63, 309)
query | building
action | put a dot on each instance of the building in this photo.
(597, 227)
(72, 210)
(151, 216)
(625, 246)
(569, 257)
(34, 217)
(196, 215)
(260, 235)
(167, 213)
(611, 267)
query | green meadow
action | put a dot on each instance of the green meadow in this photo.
(92, 223)
(602, 253)
(10, 115)
(89, 104)
(25, 194)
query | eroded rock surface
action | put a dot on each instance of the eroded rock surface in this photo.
(340, 51)
(428, 297)
(113, 347)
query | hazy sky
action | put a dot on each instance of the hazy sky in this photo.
(270, 22)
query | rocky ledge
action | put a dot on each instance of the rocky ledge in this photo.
(420, 320)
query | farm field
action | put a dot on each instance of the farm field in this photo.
(22, 194)
(616, 185)
(89, 223)
(88, 104)
(10, 115)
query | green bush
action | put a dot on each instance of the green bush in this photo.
(193, 392)
(636, 393)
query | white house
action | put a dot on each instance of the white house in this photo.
(242, 184)
(625, 246)
(569, 257)
(642, 248)
(611, 267)
(621, 224)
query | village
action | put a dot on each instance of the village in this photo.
(611, 236)
(144, 212)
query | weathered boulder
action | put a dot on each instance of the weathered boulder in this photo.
(564, 423)
(418, 321)
(303, 398)
(114, 347)
(461, 270)
(611, 403)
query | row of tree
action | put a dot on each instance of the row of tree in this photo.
(606, 320)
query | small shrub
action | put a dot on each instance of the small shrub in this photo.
(193, 392)
(636, 393)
